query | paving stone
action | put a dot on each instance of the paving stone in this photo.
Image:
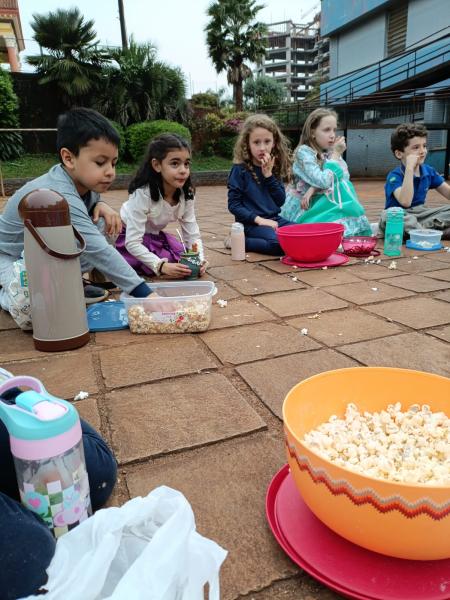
(410, 265)
(279, 267)
(272, 379)
(443, 256)
(236, 271)
(442, 333)
(344, 327)
(418, 312)
(88, 410)
(63, 376)
(443, 296)
(301, 587)
(418, 283)
(373, 271)
(225, 292)
(180, 354)
(407, 350)
(443, 274)
(6, 321)
(217, 259)
(123, 337)
(255, 342)
(320, 277)
(226, 487)
(262, 281)
(252, 257)
(164, 417)
(301, 302)
(238, 312)
(16, 344)
(363, 293)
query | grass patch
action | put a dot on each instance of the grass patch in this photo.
(33, 165)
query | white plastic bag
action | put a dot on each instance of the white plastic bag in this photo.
(19, 295)
(147, 549)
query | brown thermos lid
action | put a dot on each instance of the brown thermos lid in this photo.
(44, 208)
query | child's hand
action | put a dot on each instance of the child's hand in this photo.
(203, 267)
(175, 270)
(267, 164)
(113, 223)
(339, 145)
(266, 222)
(304, 203)
(412, 160)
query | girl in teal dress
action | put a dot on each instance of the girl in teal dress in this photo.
(321, 191)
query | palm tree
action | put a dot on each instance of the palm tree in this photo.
(74, 62)
(233, 36)
(138, 87)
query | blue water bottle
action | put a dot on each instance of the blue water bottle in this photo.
(393, 235)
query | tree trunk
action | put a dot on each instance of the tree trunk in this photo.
(238, 96)
(123, 28)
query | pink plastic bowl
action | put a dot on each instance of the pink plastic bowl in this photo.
(359, 245)
(310, 242)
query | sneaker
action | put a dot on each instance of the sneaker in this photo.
(227, 242)
(93, 294)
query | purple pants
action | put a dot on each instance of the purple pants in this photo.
(163, 244)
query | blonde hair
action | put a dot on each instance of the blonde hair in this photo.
(311, 123)
(281, 147)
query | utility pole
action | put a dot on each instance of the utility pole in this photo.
(123, 29)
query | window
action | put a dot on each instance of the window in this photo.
(396, 30)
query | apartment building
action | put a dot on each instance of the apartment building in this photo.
(11, 36)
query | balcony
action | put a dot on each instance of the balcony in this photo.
(418, 67)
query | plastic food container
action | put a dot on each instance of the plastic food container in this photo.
(182, 306)
(427, 238)
(359, 245)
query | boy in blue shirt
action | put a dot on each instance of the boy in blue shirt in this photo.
(87, 146)
(407, 185)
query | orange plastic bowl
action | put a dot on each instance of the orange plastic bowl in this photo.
(403, 520)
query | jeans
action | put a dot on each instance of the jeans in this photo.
(26, 544)
(263, 239)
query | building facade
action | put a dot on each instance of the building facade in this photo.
(11, 36)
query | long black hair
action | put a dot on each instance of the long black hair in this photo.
(158, 148)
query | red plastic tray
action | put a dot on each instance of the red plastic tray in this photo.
(341, 565)
(334, 260)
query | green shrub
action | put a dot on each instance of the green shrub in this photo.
(225, 145)
(10, 143)
(123, 140)
(140, 134)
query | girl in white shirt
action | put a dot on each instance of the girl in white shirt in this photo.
(160, 193)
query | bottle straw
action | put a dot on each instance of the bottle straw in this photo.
(181, 240)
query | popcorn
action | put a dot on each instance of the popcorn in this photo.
(304, 331)
(179, 317)
(392, 265)
(221, 303)
(81, 396)
(406, 447)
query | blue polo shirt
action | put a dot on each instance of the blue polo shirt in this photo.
(428, 179)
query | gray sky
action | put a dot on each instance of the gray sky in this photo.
(174, 26)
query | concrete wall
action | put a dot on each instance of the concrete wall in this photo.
(425, 17)
(359, 46)
(340, 13)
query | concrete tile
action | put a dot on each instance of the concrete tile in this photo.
(6, 321)
(418, 283)
(373, 271)
(443, 274)
(16, 344)
(411, 265)
(255, 342)
(62, 375)
(179, 355)
(442, 333)
(236, 271)
(252, 257)
(174, 415)
(301, 587)
(417, 312)
(443, 256)
(344, 327)
(407, 350)
(443, 296)
(320, 277)
(363, 293)
(217, 259)
(225, 292)
(301, 302)
(226, 487)
(278, 266)
(238, 312)
(262, 281)
(88, 410)
(272, 379)
(124, 337)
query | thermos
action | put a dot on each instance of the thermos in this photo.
(393, 235)
(237, 241)
(58, 310)
(47, 447)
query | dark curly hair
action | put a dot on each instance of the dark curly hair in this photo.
(403, 133)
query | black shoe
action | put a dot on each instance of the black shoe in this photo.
(93, 294)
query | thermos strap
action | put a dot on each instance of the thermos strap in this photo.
(29, 225)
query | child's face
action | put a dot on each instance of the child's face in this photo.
(94, 169)
(417, 146)
(260, 142)
(174, 169)
(324, 135)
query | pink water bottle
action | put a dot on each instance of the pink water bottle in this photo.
(47, 447)
(237, 242)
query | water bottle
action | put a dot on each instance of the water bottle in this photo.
(393, 235)
(58, 309)
(47, 447)
(237, 242)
